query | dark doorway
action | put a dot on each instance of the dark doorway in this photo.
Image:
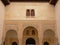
(14, 43)
(46, 43)
(30, 41)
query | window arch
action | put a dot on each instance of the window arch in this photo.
(30, 41)
(12, 36)
(46, 43)
(14, 43)
(49, 33)
(10, 33)
(30, 31)
(32, 12)
(28, 12)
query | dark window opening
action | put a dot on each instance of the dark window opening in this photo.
(14, 43)
(27, 12)
(46, 43)
(30, 41)
(32, 12)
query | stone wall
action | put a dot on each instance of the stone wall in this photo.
(40, 25)
(17, 11)
(57, 9)
(2, 14)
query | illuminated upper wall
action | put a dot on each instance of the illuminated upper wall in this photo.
(17, 11)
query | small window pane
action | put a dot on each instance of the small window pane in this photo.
(27, 12)
(32, 12)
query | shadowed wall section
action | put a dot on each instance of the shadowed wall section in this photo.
(11, 37)
(49, 37)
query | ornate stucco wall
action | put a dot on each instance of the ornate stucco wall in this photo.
(19, 27)
(15, 19)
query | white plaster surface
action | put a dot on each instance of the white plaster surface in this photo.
(2, 13)
(17, 11)
(57, 8)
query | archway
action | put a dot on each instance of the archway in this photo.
(49, 36)
(46, 43)
(30, 36)
(49, 33)
(14, 43)
(11, 36)
(30, 31)
(30, 41)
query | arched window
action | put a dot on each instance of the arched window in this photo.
(27, 12)
(33, 32)
(30, 31)
(32, 12)
(49, 36)
(11, 34)
(14, 43)
(30, 41)
(46, 43)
